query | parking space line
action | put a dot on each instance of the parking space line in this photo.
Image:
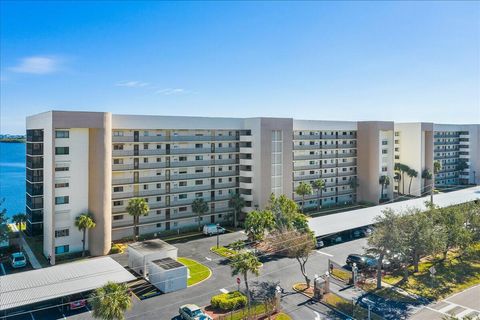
(31, 314)
(327, 254)
(209, 259)
(223, 290)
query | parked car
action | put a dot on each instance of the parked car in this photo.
(362, 261)
(211, 229)
(18, 260)
(77, 301)
(192, 312)
(319, 244)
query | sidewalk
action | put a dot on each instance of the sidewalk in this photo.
(31, 257)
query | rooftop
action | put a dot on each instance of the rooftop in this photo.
(168, 263)
(24, 288)
(338, 222)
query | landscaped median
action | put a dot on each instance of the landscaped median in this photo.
(223, 251)
(197, 271)
(459, 271)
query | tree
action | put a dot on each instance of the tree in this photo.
(257, 223)
(426, 175)
(412, 173)
(318, 186)
(111, 301)
(237, 203)
(462, 165)
(137, 207)
(19, 219)
(200, 207)
(3, 222)
(237, 245)
(295, 245)
(285, 211)
(303, 189)
(266, 293)
(243, 263)
(84, 222)
(397, 177)
(385, 239)
(384, 181)
(403, 168)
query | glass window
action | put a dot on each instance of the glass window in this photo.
(62, 134)
(62, 150)
(62, 233)
(62, 249)
(61, 200)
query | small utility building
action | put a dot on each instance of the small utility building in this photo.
(140, 254)
(167, 274)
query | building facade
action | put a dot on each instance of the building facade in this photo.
(96, 162)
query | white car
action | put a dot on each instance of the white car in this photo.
(211, 229)
(192, 312)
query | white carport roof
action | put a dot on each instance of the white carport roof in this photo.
(24, 288)
(338, 222)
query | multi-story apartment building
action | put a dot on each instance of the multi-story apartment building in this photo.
(96, 162)
(455, 147)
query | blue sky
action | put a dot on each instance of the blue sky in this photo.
(408, 61)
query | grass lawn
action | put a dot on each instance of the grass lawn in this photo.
(244, 313)
(453, 275)
(198, 272)
(348, 307)
(223, 251)
(387, 293)
(282, 316)
(341, 274)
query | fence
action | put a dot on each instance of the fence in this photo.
(256, 311)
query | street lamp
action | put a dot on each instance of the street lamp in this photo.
(218, 236)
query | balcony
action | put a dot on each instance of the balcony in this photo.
(246, 138)
(246, 150)
(224, 161)
(246, 173)
(177, 164)
(307, 167)
(190, 150)
(226, 173)
(226, 150)
(307, 177)
(191, 188)
(246, 162)
(306, 137)
(246, 185)
(306, 156)
(190, 176)
(346, 173)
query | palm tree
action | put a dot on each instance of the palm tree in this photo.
(403, 169)
(84, 222)
(137, 207)
(243, 263)
(302, 190)
(437, 166)
(398, 178)
(199, 206)
(19, 219)
(412, 173)
(111, 301)
(237, 203)
(384, 181)
(318, 185)
(426, 175)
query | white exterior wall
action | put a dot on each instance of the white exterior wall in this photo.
(167, 280)
(386, 160)
(77, 177)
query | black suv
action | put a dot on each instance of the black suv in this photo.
(363, 262)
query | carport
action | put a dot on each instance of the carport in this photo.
(45, 288)
(348, 220)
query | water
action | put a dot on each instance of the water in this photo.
(12, 177)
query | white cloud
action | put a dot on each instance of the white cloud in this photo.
(37, 65)
(132, 84)
(171, 91)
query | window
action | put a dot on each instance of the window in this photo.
(198, 158)
(384, 169)
(118, 147)
(159, 185)
(198, 145)
(159, 225)
(62, 134)
(159, 211)
(117, 161)
(183, 158)
(117, 189)
(182, 196)
(198, 182)
(159, 159)
(384, 151)
(62, 150)
(118, 133)
(62, 249)
(61, 233)
(145, 146)
(62, 169)
(159, 146)
(384, 142)
(61, 185)
(61, 200)
(145, 187)
(159, 199)
(182, 209)
(198, 170)
(182, 183)
(199, 194)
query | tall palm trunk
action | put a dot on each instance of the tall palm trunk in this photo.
(381, 193)
(303, 204)
(83, 242)
(410, 185)
(403, 182)
(235, 218)
(199, 223)
(135, 227)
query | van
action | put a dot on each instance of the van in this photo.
(211, 229)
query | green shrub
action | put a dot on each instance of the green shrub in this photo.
(116, 248)
(229, 301)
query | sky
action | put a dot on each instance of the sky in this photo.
(402, 61)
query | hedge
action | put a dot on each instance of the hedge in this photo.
(229, 301)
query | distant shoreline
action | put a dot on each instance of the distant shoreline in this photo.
(12, 140)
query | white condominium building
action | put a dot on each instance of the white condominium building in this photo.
(95, 162)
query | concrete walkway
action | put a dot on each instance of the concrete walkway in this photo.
(31, 257)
